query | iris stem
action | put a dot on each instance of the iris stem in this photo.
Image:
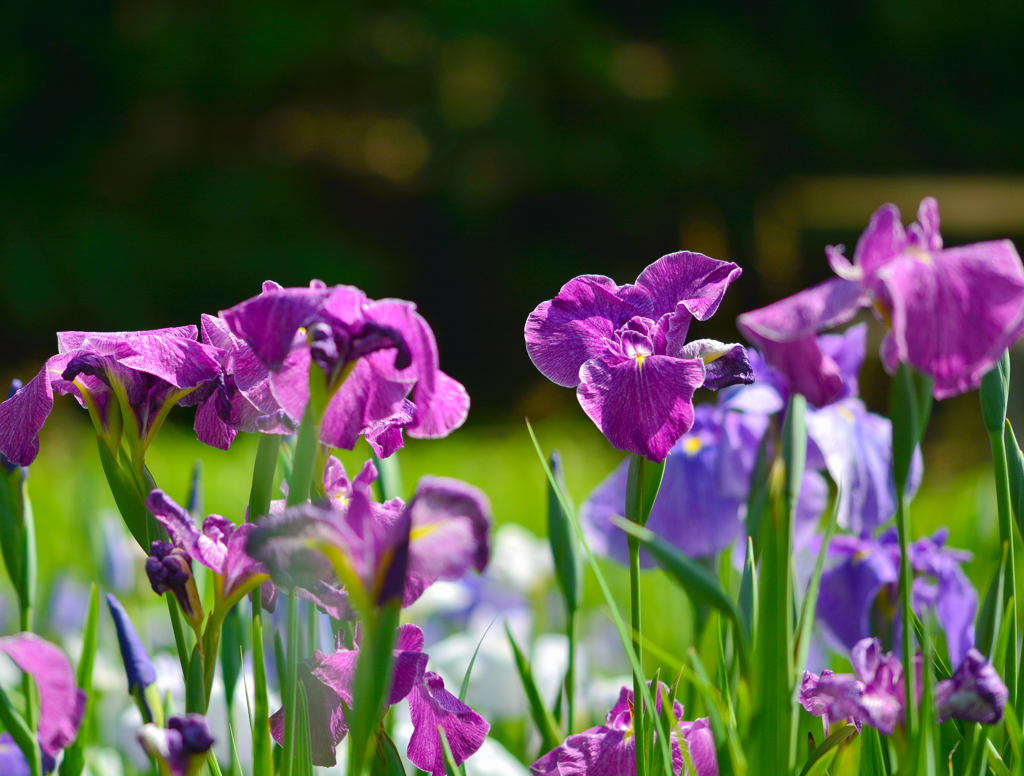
(906, 612)
(1006, 535)
(263, 475)
(638, 679)
(306, 446)
(570, 675)
(291, 686)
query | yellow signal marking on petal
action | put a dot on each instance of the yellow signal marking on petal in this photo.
(640, 360)
(847, 415)
(716, 354)
(423, 530)
(692, 445)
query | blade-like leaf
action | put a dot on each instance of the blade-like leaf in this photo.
(564, 549)
(390, 477)
(195, 685)
(748, 591)
(262, 759)
(991, 611)
(549, 733)
(387, 762)
(472, 660)
(757, 501)
(642, 485)
(25, 738)
(450, 768)
(125, 491)
(822, 756)
(74, 756)
(304, 755)
(872, 760)
(994, 393)
(1015, 470)
(373, 671)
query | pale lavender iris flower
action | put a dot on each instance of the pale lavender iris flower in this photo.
(373, 354)
(440, 534)
(61, 701)
(859, 594)
(624, 348)
(974, 692)
(952, 312)
(129, 378)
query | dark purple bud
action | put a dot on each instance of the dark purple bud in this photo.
(170, 568)
(87, 364)
(137, 665)
(195, 735)
(974, 693)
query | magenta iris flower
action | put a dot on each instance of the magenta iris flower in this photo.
(129, 378)
(952, 312)
(373, 355)
(974, 692)
(61, 701)
(624, 348)
(859, 592)
(240, 399)
(181, 748)
(431, 706)
(610, 749)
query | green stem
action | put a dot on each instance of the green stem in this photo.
(263, 475)
(570, 676)
(638, 679)
(262, 757)
(27, 685)
(179, 633)
(906, 612)
(1006, 535)
(291, 685)
(306, 447)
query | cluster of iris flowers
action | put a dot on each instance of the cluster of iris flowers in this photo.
(785, 483)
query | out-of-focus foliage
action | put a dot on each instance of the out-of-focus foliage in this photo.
(160, 158)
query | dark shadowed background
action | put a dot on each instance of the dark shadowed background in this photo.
(159, 159)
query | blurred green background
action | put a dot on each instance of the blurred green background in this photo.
(161, 158)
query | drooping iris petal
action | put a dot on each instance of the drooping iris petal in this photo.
(974, 692)
(22, 416)
(951, 594)
(565, 332)
(431, 706)
(385, 436)
(955, 312)
(61, 702)
(450, 523)
(833, 696)
(850, 587)
(700, 740)
(785, 331)
(137, 664)
(268, 322)
(327, 724)
(883, 698)
(724, 364)
(641, 408)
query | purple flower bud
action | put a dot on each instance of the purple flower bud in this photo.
(137, 665)
(182, 746)
(974, 693)
(170, 568)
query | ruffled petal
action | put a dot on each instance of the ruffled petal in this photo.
(22, 416)
(955, 311)
(430, 706)
(691, 280)
(724, 365)
(850, 586)
(700, 740)
(563, 333)
(642, 409)
(268, 322)
(442, 412)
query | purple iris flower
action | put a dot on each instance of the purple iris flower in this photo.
(328, 681)
(240, 399)
(859, 594)
(181, 748)
(951, 312)
(12, 759)
(624, 348)
(220, 546)
(440, 534)
(129, 378)
(373, 354)
(61, 702)
(974, 692)
(874, 693)
(610, 749)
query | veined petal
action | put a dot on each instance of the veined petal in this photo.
(327, 723)
(570, 329)
(692, 280)
(182, 363)
(445, 410)
(599, 751)
(22, 416)
(974, 692)
(238, 567)
(61, 702)
(268, 322)
(849, 587)
(363, 399)
(73, 340)
(184, 531)
(282, 542)
(724, 365)
(883, 239)
(955, 311)
(643, 409)
(385, 436)
(700, 740)
(430, 706)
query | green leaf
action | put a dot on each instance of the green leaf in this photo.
(642, 485)
(74, 756)
(757, 501)
(472, 660)
(995, 761)
(303, 750)
(373, 671)
(195, 686)
(179, 633)
(236, 763)
(564, 549)
(389, 477)
(1013, 732)
(232, 640)
(748, 591)
(387, 761)
(1015, 470)
(822, 756)
(700, 585)
(989, 620)
(994, 391)
(903, 410)
(125, 490)
(11, 540)
(450, 768)
(262, 758)
(542, 718)
(211, 761)
(872, 760)
(25, 738)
